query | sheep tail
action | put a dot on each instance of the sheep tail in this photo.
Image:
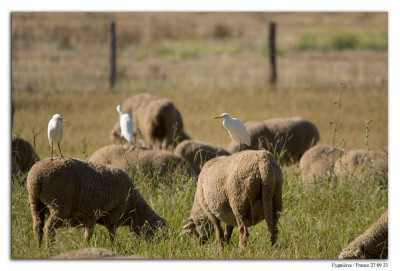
(271, 191)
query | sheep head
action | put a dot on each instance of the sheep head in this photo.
(201, 229)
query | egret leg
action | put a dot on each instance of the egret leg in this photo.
(164, 144)
(59, 149)
(51, 151)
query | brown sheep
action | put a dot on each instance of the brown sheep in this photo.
(79, 193)
(372, 244)
(318, 162)
(92, 253)
(197, 153)
(23, 156)
(287, 138)
(362, 164)
(158, 120)
(238, 190)
(148, 162)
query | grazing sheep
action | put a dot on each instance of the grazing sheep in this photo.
(149, 162)
(92, 253)
(362, 164)
(158, 120)
(319, 162)
(239, 190)
(79, 193)
(289, 138)
(22, 156)
(372, 244)
(197, 153)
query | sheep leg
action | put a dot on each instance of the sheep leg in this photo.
(218, 230)
(88, 233)
(243, 232)
(53, 223)
(165, 143)
(269, 218)
(38, 214)
(228, 233)
(111, 232)
(111, 220)
(60, 149)
(277, 209)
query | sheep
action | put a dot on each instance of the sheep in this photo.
(23, 156)
(148, 162)
(318, 162)
(197, 153)
(79, 193)
(155, 119)
(92, 253)
(239, 190)
(288, 138)
(362, 164)
(372, 244)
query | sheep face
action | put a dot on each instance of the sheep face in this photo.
(200, 229)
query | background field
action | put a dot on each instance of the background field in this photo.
(207, 64)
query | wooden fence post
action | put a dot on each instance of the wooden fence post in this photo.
(272, 60)
(113, 58)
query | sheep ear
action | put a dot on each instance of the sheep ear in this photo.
(189, 226)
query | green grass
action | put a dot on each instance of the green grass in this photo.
(316, 223)
(342, 39)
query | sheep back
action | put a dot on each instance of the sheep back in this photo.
(362, 164)
(23, 155)
(197, 153)
(372, 244)
(287, 138)
(148, 162)
(318, 162)
(295, 134)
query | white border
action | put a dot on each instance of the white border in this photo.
(173, 5)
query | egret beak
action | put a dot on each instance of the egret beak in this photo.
(184, 227)
(219, 117)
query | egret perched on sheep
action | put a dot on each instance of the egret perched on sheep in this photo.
(55, 131)
(236, 129)
(126, 124)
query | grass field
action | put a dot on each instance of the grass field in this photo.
(332, 69)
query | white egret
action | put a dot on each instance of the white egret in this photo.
(126, 124)
(55, 131)
(236, 129)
